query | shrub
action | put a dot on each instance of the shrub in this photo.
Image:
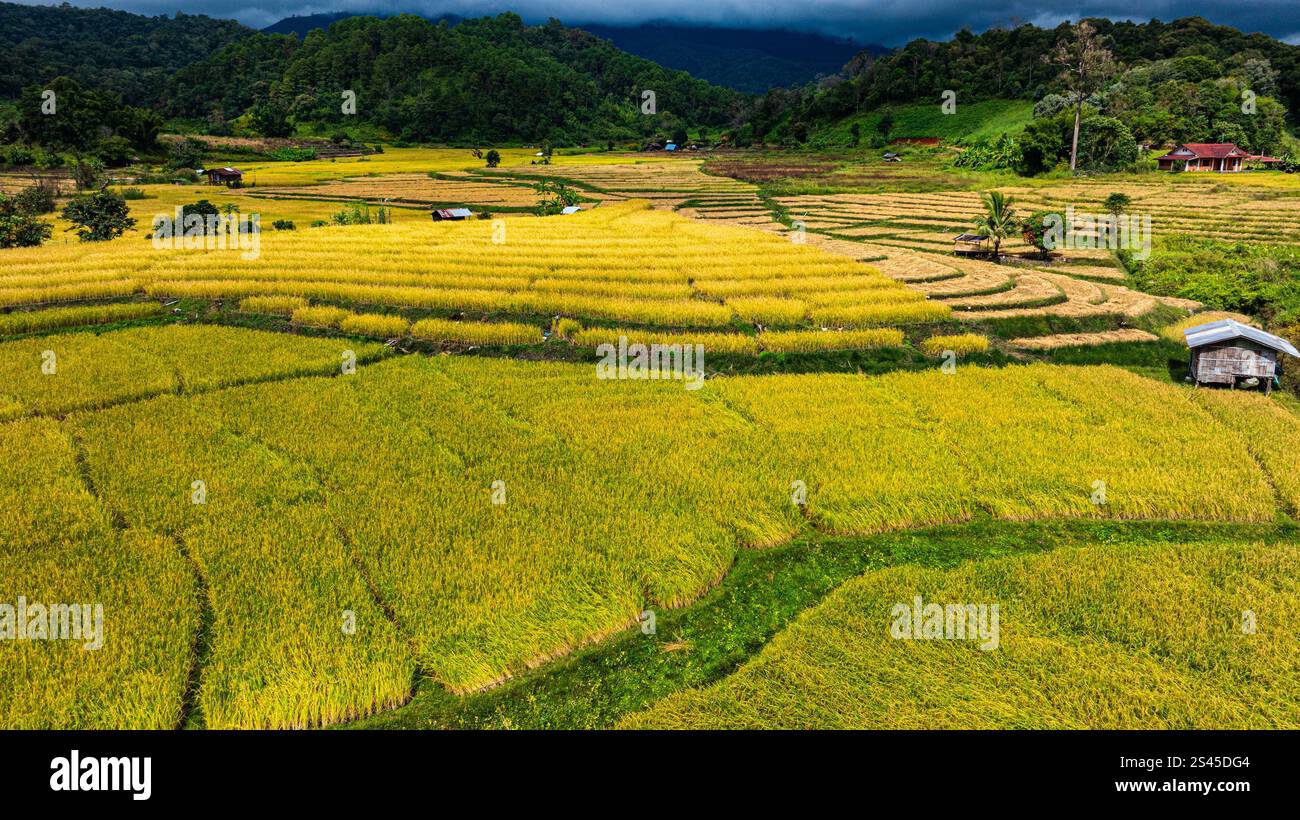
(1033, 229)
(493, 158)
(1117, 203)
(291, 153)
(19, 229)
(283, 225)
(86, 172)
(202, 209)
(186, 153)
(133, 193)
(359, 214)
(37, 199)
(114, 151)
(17, 154)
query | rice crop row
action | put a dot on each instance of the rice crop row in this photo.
(32, 321)
(488, 333)
(65, 372)
(621, 262)
(272, 304)
(806, 341)
(713, 342)
(59, 549)
(960, 344)
(383, 325)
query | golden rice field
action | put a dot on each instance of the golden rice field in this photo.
(89, 371)
(619, 262)
(776, 341)
(959, 344)
(666, 183)
(412, 161)
(471, 518)
(31, 321)
(1099, 637)
(280, 539)
(417, 189)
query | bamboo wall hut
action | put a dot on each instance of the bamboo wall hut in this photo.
(1229, 353)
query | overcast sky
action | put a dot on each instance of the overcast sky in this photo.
(888, 22)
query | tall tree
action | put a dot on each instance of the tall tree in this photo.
(999, 219)
(1086, 63)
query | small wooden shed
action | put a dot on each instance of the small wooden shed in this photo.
(1229, 353)
(452, 214)
(970, 243)
(230, 177)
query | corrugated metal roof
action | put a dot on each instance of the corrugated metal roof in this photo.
(1205, 150)
(453, 213)
(1226, 329)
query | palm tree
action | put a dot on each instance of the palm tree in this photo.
(999, 219)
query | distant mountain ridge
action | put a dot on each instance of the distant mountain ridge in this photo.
(749, 60)
(300, 25)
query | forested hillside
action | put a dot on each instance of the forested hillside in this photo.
(485, 80)
(1186, 81)
(1008, 62)
(111, 50)
(490, 79)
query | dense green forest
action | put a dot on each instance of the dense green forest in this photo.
(115, 51)
(1008, 62)
(486, 80)
(1172, 82)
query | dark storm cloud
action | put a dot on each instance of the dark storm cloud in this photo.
(891, 22)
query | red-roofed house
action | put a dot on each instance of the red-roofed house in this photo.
(1222, 157)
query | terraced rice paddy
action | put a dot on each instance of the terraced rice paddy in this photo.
(623, 263)
(301, 530)
(418, 189)
(909, 237)
(675, 183)
(412, 515)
